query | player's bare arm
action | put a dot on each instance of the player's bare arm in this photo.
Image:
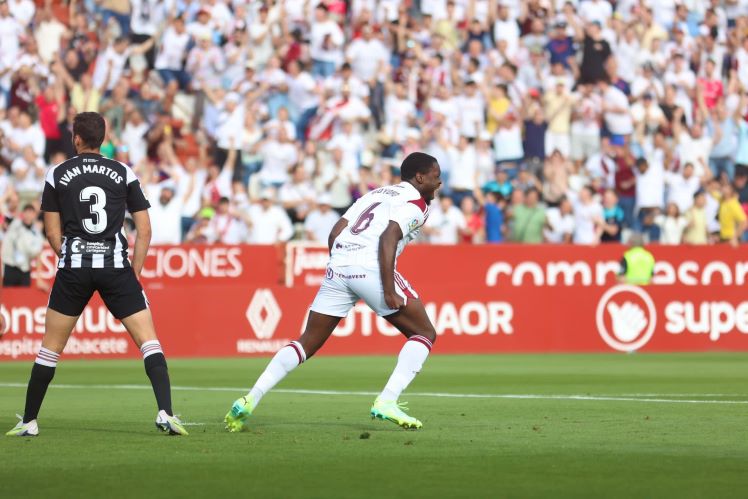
(339, 226)
(387, 249)
(142, 240)
(53, 229)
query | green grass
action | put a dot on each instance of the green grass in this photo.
(101, 442)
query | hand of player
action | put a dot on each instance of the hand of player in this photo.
(393, 300)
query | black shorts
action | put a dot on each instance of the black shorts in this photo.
(119, 288)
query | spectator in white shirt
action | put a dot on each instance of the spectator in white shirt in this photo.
(445, 222)
(111, 62)
(27, 133)
(682, 187)
(559, 223)
(279, 154)
(326, 43)
(302, 95)
(48, 33)
(225, 227)
(351, 143)
(172, 54)
(10, 32)
(588, 218)
(28, 175)
(268, 223)
(22, 10)
(320, 221)
(694, 145)
(297, 195)
(472, 110)
(165, 213)
(672, 225)
(615, 108)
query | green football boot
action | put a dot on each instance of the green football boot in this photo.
(391, 410)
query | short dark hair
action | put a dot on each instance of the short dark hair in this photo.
(28, 207)
(416, 162)
(90, 127)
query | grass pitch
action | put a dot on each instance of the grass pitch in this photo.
(552, 426)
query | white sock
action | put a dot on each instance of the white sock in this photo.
(150, 347)
(285, 361)
(47, 357)
(409, 363)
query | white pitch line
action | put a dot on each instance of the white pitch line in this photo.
(512, 396)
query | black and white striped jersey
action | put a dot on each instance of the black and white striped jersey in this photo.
(92, 193)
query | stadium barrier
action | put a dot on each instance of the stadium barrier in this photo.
(216, 301)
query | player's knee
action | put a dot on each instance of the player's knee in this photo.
(430, 334)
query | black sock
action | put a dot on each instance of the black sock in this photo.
(155, 368)
(41, 376)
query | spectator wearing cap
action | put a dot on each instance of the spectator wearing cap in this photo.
(320, 221)
(268, 223)
(561, 45)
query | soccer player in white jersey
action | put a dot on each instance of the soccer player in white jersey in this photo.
(364, 246)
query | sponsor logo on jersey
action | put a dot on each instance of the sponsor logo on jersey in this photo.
(413, 225)
(78, 246)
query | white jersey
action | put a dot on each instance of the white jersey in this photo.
(358, 243)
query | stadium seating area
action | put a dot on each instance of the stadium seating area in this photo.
(557, 121)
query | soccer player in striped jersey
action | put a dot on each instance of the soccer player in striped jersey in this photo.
(84, 203)
(364, 246)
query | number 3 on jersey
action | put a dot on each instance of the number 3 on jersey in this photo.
(97, 197)
(364, 220)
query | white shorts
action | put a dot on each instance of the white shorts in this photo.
(344, 286)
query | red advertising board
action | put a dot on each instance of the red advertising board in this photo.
(227, 301)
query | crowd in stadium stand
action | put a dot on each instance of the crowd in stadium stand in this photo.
(261, 122)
